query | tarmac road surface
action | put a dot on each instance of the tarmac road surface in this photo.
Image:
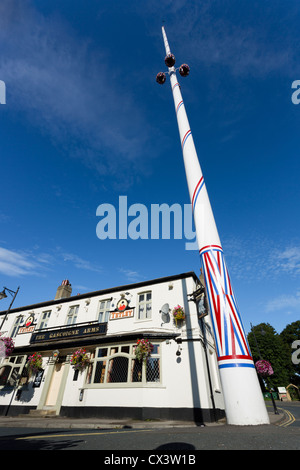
(152, 439)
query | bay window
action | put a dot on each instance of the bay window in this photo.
(117, 366)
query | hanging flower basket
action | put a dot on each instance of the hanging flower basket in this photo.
(80, 359)
(7, 346)
(178, 314)
(264, 368)
(34, 363)
(143, 349)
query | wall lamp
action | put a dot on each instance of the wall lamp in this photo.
(179, 342)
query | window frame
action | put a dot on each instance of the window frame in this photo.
(93, 369)
(14, 362)
(15, 328)
(105, 311)
(72, 316)
(44, 321)
(144, 303)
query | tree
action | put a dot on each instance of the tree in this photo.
(266, 344)
(290, 334)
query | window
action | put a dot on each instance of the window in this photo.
(145, 306)
(5, 372)
(75, 376)
(44, 319)
(72, 315)
(11, 369)
(118, 366)
(153, 365)
(152, 370)
(117, 369)
(104, 311)
(17, 323)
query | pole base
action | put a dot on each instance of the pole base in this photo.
(244, 403)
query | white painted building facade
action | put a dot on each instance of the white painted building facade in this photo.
(180, 380)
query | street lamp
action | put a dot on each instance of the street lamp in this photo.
(3, 296)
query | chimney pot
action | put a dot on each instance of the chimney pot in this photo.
(64, 290)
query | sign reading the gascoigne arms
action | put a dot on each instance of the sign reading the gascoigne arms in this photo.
(69, 333)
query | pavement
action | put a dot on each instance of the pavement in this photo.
(25, 421)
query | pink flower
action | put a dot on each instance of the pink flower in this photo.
(264, 368)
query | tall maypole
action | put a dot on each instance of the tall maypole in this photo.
(244, 404)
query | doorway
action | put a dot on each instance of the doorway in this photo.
(54, 387)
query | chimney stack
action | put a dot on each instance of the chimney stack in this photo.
(64, 290)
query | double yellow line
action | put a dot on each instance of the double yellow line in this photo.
(48, 435)
(291, 418)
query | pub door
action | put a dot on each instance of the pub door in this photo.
(54, 396)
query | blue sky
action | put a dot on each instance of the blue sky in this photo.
(85, 122)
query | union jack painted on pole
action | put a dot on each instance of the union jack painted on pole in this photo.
(231, 342)
(243, 399)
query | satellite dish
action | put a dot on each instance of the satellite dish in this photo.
(165, 315)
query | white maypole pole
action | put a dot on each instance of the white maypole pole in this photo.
(244, 403)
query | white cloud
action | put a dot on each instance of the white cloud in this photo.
(258, 258)
(32, 263)
(249, 259)
(16, 264)
(284, 303)
(131, 276)
(63, 84)
(80, 263)
(288, 260)
(80, 288)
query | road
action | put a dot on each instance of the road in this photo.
(292, 411)
(121, 443)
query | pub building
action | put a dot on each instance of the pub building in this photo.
(177, 380)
